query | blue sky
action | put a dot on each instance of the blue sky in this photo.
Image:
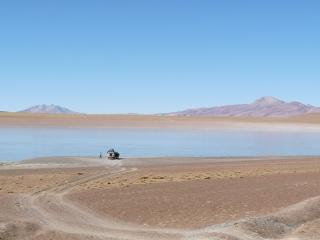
(157, 56)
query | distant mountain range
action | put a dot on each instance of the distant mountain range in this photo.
(49, 109)
(263, 107)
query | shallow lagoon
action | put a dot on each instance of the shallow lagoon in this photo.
(25, 143)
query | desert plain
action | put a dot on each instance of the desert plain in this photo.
(155, 198)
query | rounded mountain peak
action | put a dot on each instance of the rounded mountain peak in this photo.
(268, 100)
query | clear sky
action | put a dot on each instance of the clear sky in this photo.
(157, 56)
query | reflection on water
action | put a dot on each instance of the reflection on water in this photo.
(24, 143)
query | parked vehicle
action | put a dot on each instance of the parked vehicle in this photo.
(112, 154)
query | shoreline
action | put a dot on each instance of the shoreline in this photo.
(153, 160)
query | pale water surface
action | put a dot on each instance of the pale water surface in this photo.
(25, 143)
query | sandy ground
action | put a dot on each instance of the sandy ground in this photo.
(177, 198)
(306, 122)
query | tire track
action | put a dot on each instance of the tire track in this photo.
(57, 213)
(54, 212)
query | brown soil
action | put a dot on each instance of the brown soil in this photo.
(162, 201)
(201, 195)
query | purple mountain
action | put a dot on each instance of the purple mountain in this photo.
(263, 107)
(49, 109)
